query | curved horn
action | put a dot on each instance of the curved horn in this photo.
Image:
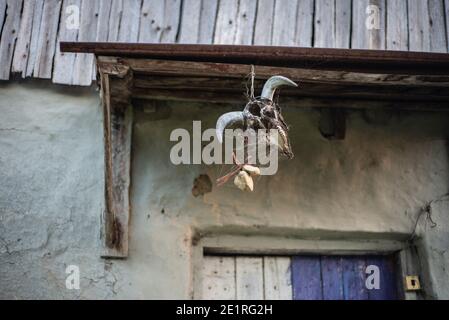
(273, 83)
(226, 120)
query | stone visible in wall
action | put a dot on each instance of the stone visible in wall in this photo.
(201, 185)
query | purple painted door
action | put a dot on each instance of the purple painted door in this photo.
(344, 277)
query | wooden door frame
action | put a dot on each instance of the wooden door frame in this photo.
(261, 245)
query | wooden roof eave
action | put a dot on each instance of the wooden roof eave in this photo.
(294, 57)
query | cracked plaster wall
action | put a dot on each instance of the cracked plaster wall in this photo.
(51, 193)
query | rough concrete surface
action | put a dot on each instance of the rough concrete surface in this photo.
(51, 193)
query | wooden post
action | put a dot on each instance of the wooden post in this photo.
(116, 83)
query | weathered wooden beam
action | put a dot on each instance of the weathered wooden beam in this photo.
(218, 82)
(227, 70)
(372, 61)
(116, 84)
(290, 101)
(338, 78)
(308, 88)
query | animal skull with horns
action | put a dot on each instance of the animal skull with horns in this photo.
(261, 113)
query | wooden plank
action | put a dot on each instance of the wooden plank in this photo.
(388, 281)
(199, 78)
(368, 24)
(151, 21)
(359, 36)
(397, 27)
(105, 7)
(2, 12)
(342, 23)
(104, 11)
(249, 278)
(418, 25)
(207, 21)
(129, 22)
(35, 32)
(175, 69)
(324, 35)
(368, 61)
(332, 277)
(226, 26)
(118, 119)
(307, 87)
(189, 31)
(354, 278)
(322, 92)
(221, 97)
(438, 41)
(306, 278)
(263, 30)
(84, 63)
(304, 23)
(377, 35)
(277, 278)
(115, 17)
(9, 36)
(64, 61)
(21, 52)
(284, 25)
(47, 39)
(198, 21)
(172, 9)
(446, 14)
(246, 17)
(218, 278)
(159, 21)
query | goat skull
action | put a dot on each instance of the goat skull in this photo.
(261, 114)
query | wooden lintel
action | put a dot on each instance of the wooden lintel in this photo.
(116, 86)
